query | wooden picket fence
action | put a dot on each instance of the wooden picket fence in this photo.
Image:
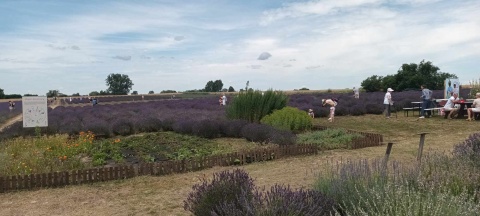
(58, 179)
(367, 139)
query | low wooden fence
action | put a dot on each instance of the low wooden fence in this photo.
(367, 139)
(58, 179)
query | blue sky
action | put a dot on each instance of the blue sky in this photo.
(72, 46)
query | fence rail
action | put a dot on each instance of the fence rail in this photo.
(75, 177)
(58, 179)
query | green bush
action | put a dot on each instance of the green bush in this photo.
(254, 105)
(289, 118)
(328, 139)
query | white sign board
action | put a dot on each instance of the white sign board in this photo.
(35, 111)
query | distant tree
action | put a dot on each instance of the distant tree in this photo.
(373, 83)
(76, 94)
(231, 89)
(30, 95)
(94, 93)
(118, 84)
(53, 93)
(103, 93)
(246, 85)
(151, 92)
(224, 90)
(135, 93)
(168, 91)
(304, 89)
(212, 86)
(2, 94)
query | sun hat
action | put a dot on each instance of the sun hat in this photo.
(389, 89)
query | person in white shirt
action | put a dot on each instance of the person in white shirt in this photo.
(475, 107)
(450, 105)
(224, 100)
(356, 93)
(388, 102)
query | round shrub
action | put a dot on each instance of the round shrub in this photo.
(148, 124)
(206, 128)
(289, 118)
(257, 132)
(183, 126)
(123, 127)
(282, 137)
(207, 197)
(233, 128)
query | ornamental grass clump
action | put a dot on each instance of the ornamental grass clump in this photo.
(289, 118)
(254, 105)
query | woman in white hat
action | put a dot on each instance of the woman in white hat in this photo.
(388, 102)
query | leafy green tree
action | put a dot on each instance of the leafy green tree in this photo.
(231, 89)
(119, 84)
(212, 86)
(373, 83)
(2, 94)
(53, 93)
(413, 75)
(135, 93)
(151, 92)
(76, 94)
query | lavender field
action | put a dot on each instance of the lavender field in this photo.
(199, 116)
(6, 113)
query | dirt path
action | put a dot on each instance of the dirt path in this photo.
(19, 117)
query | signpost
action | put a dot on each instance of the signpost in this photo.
(35, 111)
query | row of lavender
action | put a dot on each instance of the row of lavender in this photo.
(201, 116)
(368, 103)
(85, 99)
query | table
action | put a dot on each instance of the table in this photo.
(461, 110)
(415, 106)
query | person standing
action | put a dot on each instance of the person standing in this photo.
(224, 100)
(388, 102)
(426, 100)
(356, 93)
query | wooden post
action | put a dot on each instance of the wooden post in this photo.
(420, 146)
(389, 149)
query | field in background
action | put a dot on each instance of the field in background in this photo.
(164, 195)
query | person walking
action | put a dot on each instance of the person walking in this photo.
(388, 102)
(426, 100)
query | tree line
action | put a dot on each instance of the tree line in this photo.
(409, 77)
